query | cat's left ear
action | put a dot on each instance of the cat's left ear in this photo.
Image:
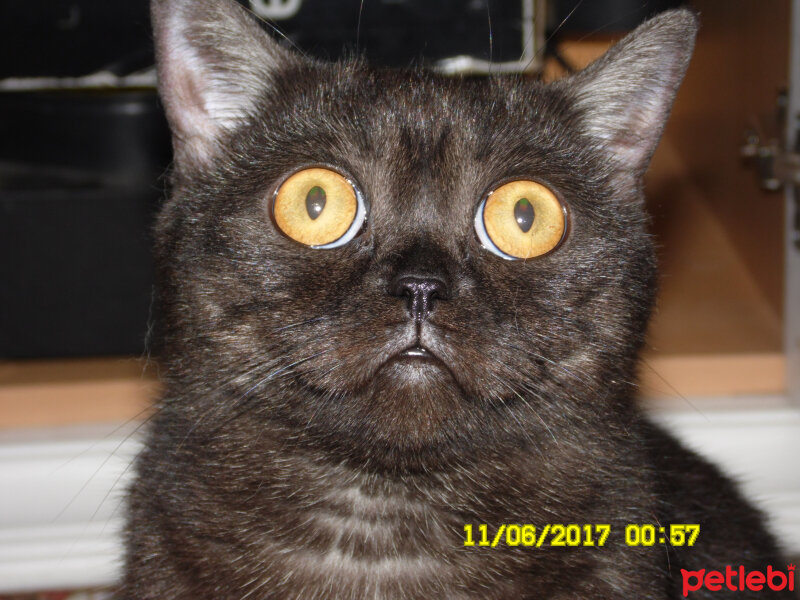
(625, 96)
(214, 61)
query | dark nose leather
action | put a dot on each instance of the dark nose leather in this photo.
(421, 293)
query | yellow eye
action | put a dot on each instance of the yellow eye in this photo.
(319, 208)
(520, 219)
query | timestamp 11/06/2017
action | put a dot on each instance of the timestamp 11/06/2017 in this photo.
(557, 534)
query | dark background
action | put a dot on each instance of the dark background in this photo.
(81, 171)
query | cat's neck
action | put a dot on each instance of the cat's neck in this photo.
(306, 519)
(369, 534)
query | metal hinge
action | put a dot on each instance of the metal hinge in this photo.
(776, 166)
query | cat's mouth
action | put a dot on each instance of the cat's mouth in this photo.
(416, 355)
(413, 361)
(417, 352)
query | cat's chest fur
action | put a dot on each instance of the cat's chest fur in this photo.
(301, 527)
(357, 540)
(312, 530)
(374, 543)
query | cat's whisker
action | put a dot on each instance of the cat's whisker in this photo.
(262, 580)
(218, 389)
(671, 387)
(501, 401)
(113, 487)
(275, 30)
(514, 391)
(575, 376)
(491, 37)
(358, 25)
(240, 404)
(553, 34)
(103, 463)
(259, 365)
(117, 429)
(299, 323)
(325, 399)
(557, 365)
(121, 475)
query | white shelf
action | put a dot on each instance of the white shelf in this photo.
(61, 515)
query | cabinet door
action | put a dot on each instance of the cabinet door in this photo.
(792, 312)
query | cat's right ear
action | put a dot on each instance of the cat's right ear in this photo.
(625, 96)
(214, 61)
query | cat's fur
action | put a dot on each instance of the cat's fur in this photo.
(291, 456)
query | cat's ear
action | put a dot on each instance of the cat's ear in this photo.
(625, 96)
(214, 61)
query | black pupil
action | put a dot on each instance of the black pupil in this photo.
(315, 201)
(523, 213)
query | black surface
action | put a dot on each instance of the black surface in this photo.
(76, 271)
(113, 135)
(76, 37)
(604, 16)
(60, 38)
(401, 32)
(79, 185)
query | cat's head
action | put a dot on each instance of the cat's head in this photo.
(338, 257)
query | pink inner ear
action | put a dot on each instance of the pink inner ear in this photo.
(191, 123)
(190, 110)
(632, 143)
(629, 123)
(190, 107)
(184, 90)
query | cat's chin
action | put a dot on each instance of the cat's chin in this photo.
(406, 416)
(415, 375)
(413, 394)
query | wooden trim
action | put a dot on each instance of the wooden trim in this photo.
(62, 392)
(686, 375)
(85, 391)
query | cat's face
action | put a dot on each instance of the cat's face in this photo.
(414, 337)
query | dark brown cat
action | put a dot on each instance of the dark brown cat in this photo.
(397, 304)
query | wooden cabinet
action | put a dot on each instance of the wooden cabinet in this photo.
(718, 328)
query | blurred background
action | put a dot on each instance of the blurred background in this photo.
(83, 151)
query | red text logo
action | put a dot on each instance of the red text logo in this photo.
(738, 580)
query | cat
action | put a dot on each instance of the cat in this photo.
(402, 312)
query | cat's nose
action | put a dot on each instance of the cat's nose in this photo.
(421, 293)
